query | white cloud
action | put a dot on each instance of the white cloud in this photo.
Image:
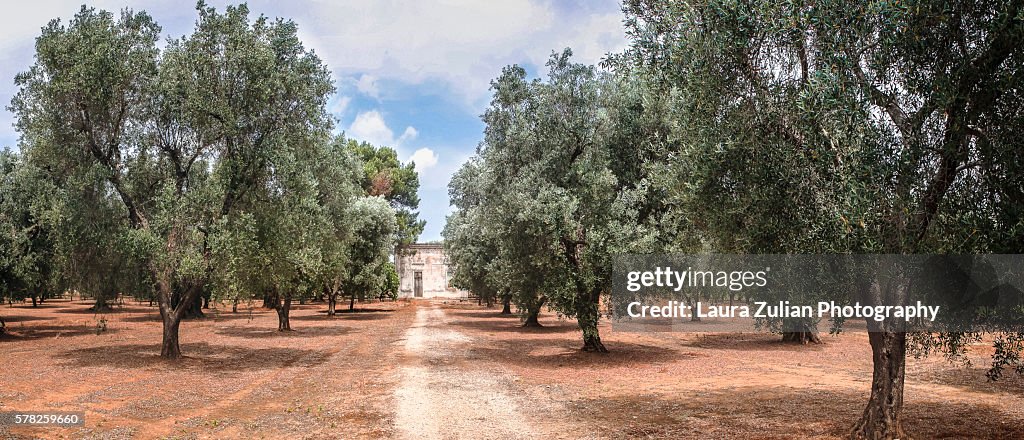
(447, 163)
(461, 43)
(423, 158)
(370, 127)
(367, 85)
(340, 105)
(409, 134)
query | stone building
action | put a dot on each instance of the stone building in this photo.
(423, 272)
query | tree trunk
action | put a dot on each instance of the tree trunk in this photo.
(587, 316)
(101, 304)
(804, 337)
(3, 325)
(270, 301)
(531, 318)
(193, 307)
(170, 348)
(283, 324)
(882, 419)
(506, 308)
(34, 303)
(172, 309)
(803, 332)
(352, 303)
(234, 305)
(332, 304)
(533, 311)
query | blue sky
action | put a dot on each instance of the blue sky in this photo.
(412, 75)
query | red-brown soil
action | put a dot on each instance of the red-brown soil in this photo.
(392, 368)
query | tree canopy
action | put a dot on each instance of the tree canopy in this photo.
(207, 165)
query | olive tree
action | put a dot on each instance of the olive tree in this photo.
(183, 137)
(556, 207)
(374, 226)
(865, 127)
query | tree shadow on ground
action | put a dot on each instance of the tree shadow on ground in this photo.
(514, 326)
(483, 314)
(357, 310)
(560, 352)
(218, 316)
(147, 317)
(34, 332)
(297, 332)
(198, 356)
(346, 315)
(208, 315)
(85, 309)
(49, 304)
(973, 378)
(781, 412)
(19, 318)
(751, 342)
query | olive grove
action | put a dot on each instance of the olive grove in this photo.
(203, 167)
(757, 127)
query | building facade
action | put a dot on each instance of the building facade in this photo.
(423, 272)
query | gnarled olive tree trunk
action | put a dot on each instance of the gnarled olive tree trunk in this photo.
(587, 316)
(172, 312)
(533, 312)
(332, 303)
(506, 304)
(882, 418)
(802, 333)
(283, 311)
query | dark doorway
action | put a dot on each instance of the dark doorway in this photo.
(418, 284)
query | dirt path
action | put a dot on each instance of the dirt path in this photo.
(442, 397)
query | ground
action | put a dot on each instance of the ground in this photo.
(448, 370)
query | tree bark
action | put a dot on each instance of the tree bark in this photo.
(193, 307)
(533, 311)
(3, 325)
(587, 316)
(506, 308)
(694, 317)
(882, 419)
(531, 318)
(332, 304)
(283, 324)
(34, 303)
(170, 348)
(270, 301)
(352, 303)
(803, 337)
(101, 304)
(173, 305)
(802, 333)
